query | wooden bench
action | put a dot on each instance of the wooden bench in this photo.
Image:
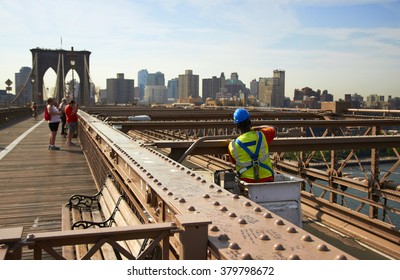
(107, 208)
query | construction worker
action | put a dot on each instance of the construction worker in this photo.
(249, 152)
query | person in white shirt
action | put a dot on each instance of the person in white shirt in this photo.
(54, 122)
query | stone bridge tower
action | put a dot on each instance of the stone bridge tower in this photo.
(61, 61)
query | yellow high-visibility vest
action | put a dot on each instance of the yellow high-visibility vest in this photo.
(244, 150)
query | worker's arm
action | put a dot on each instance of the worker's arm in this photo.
(230, 156)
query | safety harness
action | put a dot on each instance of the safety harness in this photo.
(255, 162)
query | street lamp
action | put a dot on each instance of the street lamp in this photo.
(33, 80)
(72, 61)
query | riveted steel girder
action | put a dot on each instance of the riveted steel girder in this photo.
(239, 227)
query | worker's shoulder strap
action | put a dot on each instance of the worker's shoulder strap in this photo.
(257, 151)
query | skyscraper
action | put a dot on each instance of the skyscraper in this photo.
(271, 91)
(155, 91)
(155, 94)
(211, 87)
(279, 88)
(188, 87)
(172, 90)
(120, 90)
(155, 79)
(254, 87)
(142, 81)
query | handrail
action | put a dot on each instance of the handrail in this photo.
(48, 241)
(199, 141)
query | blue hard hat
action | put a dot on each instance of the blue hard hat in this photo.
(240, 115)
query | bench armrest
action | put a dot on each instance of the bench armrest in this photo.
(84, 201)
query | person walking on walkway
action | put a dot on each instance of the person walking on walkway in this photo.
(71, 113)
(61, 108)
(249, 152)
(34, 110)
(54, 122)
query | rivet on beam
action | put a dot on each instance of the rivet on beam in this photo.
(246, 256)
(234, 246)
(264, 237)
(279, 247)
(294, 257)
(268, 215)
(291, 230)
(214, 228)
(322, 247)
(306, 238)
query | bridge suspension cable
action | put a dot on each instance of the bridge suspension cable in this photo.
(92, 86)
(22, 89)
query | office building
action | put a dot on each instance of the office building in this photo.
(142, 82)
(155, 79)
(155, 94)
(254, 88)
(271, 91)
(120, 90)
(211, 87)
(188, 88)
(172, 90)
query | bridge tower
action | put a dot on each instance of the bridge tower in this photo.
(61, 61)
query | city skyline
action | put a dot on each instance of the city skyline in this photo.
(344, 47)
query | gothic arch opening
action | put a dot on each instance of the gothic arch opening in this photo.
(72, 85)
(49, 83)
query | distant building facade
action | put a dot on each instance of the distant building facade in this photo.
(172, 90)
(102, 96)
(155, 91)
(211, 87)
(188, 88)
(308, 98)
(326, 97)
(375, 101)
(5, 98)
(393, 103)
(254, 88)
(337, 107)
(155, 79)
(155, 94)
(142, 82)
(355, 100)
(271, 91)
(234, 86)
(120, 90)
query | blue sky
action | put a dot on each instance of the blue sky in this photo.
(343, 46)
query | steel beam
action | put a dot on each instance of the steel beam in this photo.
(240, 228)
(209, 123)
(219, 146)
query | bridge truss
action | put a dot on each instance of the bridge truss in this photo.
(315, 147)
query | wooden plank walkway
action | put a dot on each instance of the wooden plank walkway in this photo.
(35, 181)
